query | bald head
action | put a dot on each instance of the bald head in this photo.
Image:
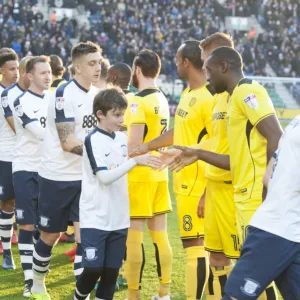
(119, 74)
(228, 56)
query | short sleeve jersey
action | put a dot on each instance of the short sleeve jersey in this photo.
(192, 126)
(219, 141)
(7, 135)
(73, 103)
(248, 105)
(104, 207)
(29, 108)
(150, 108)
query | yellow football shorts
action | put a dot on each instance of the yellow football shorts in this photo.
(244, 211)
(147, 199)
(220, 227)
(190, 225)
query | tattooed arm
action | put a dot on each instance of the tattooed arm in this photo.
(69, 142)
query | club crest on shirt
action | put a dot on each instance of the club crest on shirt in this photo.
(250, 287)
(4, 101)
(193, 101)
(19, 214)
(44, 221)
(90, 253)
(251, 101)
(133, 108)
(19, 110)
(59, 103)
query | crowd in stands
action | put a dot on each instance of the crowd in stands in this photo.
(122, 27)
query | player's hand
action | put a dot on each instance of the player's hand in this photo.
(167, 156)
(201, 206)
(140, 150)
(148, 160)
(185, 158)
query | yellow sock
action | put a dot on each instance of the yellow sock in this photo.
(70, 230)
(269, 293)
(164, 260)
(216, 282)
(135, 261)
(197, 272)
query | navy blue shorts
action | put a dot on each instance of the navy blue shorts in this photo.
(26, 195)
(6, 181)
(58, 204)
(103, 249)
(265, 257)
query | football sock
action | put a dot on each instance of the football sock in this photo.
(269, 293)
(164, 260)
(36, 236)
(86, 282)
(135, 261)
(197, 272)
(26, 251)
(216, 282)
(41, 260)
(107, 284)
(6, 230)
(77, 262)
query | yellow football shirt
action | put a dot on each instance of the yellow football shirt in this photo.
(219, 141)
(150, 108)
(248, 105)
(56, 83)
(193, 126)
(128, 95)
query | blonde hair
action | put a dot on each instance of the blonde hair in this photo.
(216, 40)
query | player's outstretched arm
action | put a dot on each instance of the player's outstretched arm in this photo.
(190, 155)
(69, 142)
(109, 176)
(162, 141)
(270, 128)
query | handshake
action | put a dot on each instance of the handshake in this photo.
(176, 158)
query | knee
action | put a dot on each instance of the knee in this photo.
(192, 242)
(8, 206)
(50, 238)
(218, 260)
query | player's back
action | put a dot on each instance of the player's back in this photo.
(249, 104)
(192, 126)
(150, 108)
(279, 213)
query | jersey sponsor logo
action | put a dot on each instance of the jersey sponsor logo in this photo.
(90, 253)
(124, 150)
(59, 103)
(89, 121)
(19, 214)
(250, 287)
(251, 101)
(193, 101)
(181, 113)
(1, 190)
(184, 187)
(219, 115)
(133, 108)
(44, 221)
(4, 101)
(19, 110)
